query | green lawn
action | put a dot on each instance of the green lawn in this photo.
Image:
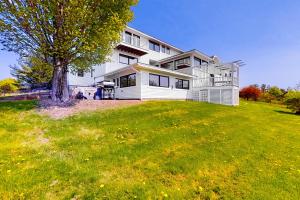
(157, 150)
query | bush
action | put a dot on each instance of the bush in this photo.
(267, 97)
(250, 92)
(8, 85)
(292, 100)
(276, 92)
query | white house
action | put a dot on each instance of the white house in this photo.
(144, 67)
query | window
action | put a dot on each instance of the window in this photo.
(169, 65)
(204, 62)
(118, 84)
(197, 62)
(158, 80)
(136, 40)
(128, 80)
(163, 49)
(182, 63)
(80, 73)
(154, 63)
(154, 46)
(168, 50)
(124, 59)
(182, 84)
(128, 37)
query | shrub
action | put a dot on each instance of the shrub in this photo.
(276, 92)
(250, 92)
(292, 100)
(8, 85)
(267, 97)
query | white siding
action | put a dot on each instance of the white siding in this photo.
(87, 79)
(133, 92)
(152, 92)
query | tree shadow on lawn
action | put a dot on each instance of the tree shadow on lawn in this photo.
(286, 112)
(18, 106)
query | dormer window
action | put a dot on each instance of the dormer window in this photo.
(154, 46)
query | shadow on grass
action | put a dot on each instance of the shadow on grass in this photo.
(285, 112)
(17, 105)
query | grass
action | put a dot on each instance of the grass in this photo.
(157, 150)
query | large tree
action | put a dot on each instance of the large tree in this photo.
(68, 34)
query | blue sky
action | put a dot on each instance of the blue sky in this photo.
(265, 34)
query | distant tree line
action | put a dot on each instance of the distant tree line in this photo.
(273, 94)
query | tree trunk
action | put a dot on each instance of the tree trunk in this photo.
(60, 91)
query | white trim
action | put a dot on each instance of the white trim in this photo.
(158, 69)
(141, 66)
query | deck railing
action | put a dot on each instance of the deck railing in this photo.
(216, 82)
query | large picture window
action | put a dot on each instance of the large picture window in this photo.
(124, 59)
(154, 46)
(158, 80)
(128, 80)
(182, 84)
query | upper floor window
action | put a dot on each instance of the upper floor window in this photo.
(154, 46)
(197, 61)
(128, 80)
(163, 49)
(204, 62)
(158, 80)
(136, 40)
(182, 84)
(127, 37)
(168, 50)
(124, 59)
(183, 61)
(169, 65)
(153, 63)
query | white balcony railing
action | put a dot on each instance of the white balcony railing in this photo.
(216, 82)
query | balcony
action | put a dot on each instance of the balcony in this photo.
(132, 44)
